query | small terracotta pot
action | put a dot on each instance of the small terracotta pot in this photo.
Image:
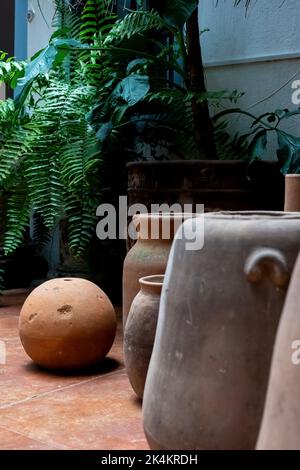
(280, 428)
(140, 331)
(292, 193)
(149, 255)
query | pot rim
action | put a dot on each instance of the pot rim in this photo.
(166, 215)
(292, 175)
(153, 280)
(253, 215)
(191, 163)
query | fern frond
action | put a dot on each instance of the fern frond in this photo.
(97, 19)
(81, 219)
(44, 185)
(41, 234)
(133, 24)
(18, 211)
(12, 152)
(66, 18)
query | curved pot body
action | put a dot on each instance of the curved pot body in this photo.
(218, 318)
(140, 331)
(149, 255)
(292, 193)
(280, 428)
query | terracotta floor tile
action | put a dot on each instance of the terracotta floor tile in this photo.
(21, 379)
(96, 409)
(99, 414)
(9, 322)
(10, 440)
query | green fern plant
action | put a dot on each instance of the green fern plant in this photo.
(101, 84)
(49, 152)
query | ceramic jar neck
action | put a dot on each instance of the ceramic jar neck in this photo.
(152, 284)
(159, 227)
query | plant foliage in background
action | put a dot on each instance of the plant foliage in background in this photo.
(50, 156)
(253, 144)
(101, 84)
(103, 90)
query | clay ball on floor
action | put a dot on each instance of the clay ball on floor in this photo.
(67, 323)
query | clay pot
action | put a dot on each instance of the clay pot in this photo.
(149, 255)
(67, 323)
(292, 193)
(140, 331)
(219, 313)
(280, 428)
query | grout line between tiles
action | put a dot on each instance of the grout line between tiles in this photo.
(38, 441)
(60, 389)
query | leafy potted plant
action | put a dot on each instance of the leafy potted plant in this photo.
(256, 141)
(103, 89)
(50, 158)
(168, 115)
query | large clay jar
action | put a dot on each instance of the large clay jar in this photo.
(67, 323)
(280, 428)
(219, 313)
(140, 331)
(292, 193)
(149, 255)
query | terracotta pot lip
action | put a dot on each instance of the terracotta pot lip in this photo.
(186, 163)
(292, 175)
(166, 215)
(253, 215)
(192, 163)
(156, 280)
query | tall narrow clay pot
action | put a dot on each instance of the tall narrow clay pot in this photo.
(150, 254)
(219, 312)
(140, 331)
(280, 428)
(292, 193)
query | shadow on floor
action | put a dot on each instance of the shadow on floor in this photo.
(107, 366)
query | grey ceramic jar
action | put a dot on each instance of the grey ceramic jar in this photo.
(140, 331)
(218, 318)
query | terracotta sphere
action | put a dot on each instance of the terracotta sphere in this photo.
(67, 323)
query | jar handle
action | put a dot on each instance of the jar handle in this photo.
(267, 262)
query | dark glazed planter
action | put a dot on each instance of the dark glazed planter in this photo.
(140, 331)
(218, 318)
(280, 428)
(218, 184)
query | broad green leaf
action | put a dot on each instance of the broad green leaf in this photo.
(135, 63)
(258, 145)
(40, 65)
(289, 114)
(176, 12)
(49, 57)
(288, 152)
(104, 131)
(133, 89)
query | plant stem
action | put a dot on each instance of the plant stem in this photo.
(203, 128)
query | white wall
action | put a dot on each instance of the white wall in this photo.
(39, 30)
(258, 53)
